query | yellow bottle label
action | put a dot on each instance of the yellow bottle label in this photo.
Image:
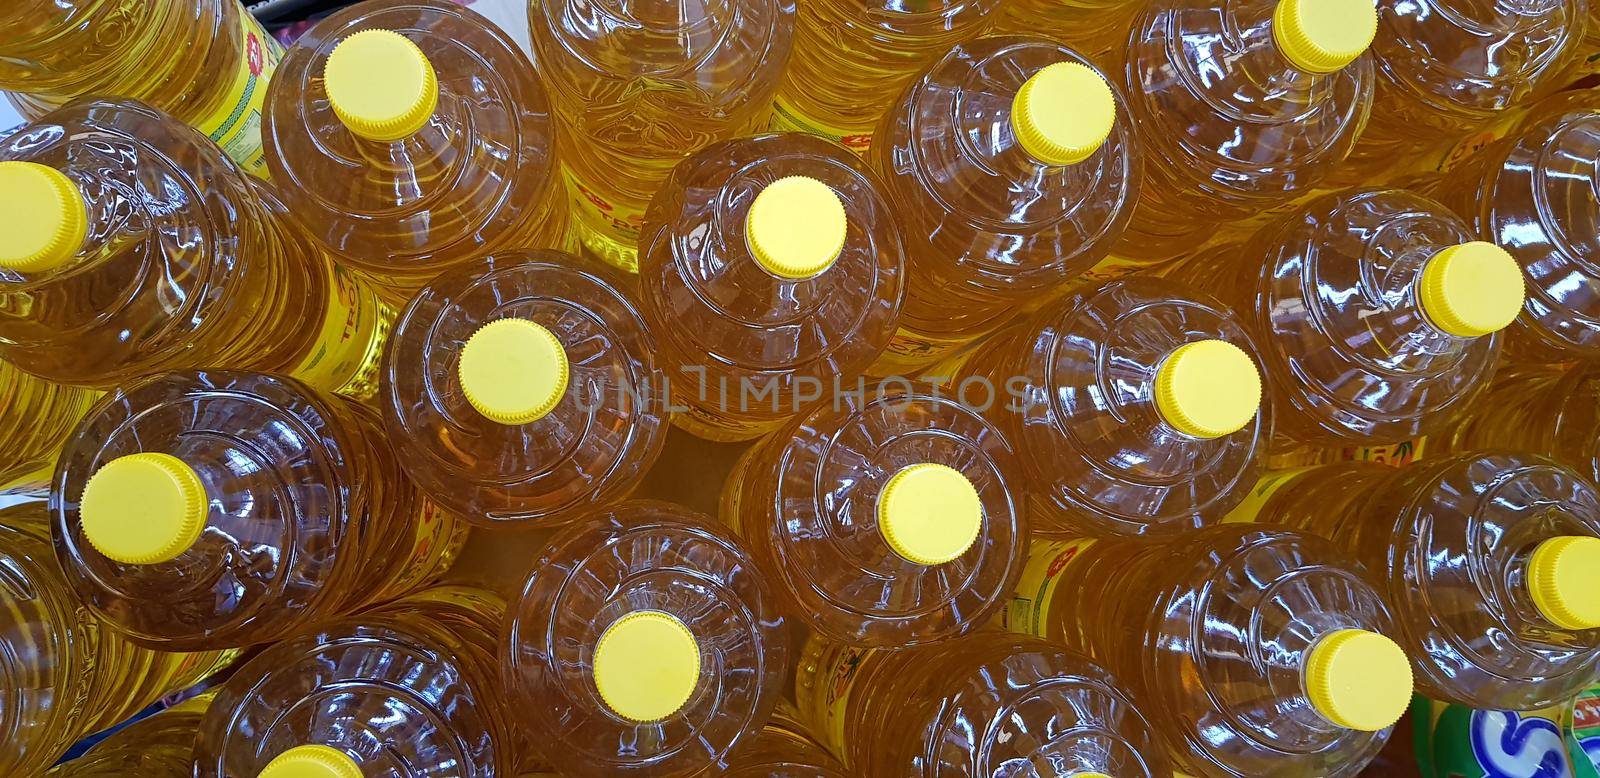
(1269, 484)
(837, 670)
(349, 348)
(703, 424)
(1029, 609)
(786, 118)
(597, 214)
(438, 539)
(236, 124)
(1396, 454)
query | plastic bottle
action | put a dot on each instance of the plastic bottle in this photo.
(1545, 408)
(1534, 193)
(1490, 560)
(1254, 650)
(65, 673)
(140, 248)
(644, 643)
(985, 705)
(410, 688)
(1135, 407)
(769, 266)
(215, 509)
(1376, 312)
(1241, 107)
(783, 749)
(35, 416)
(523, 386)
(206, 62)
(1449, 71)
(1014, 168)
(850, 59)
(414, 136)
(640, 84)
(1098, 28)
(892, 520)
(159, 746)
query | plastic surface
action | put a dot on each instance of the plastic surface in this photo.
(739, 344)
(513, 371)
(1564, 581)
(1322, 37)
(479, 175)
(51, 217)
(140, 509)
(596, 441)
(1358, 679)
(1471, 289)
(1073, 387)
(1545, 408)
(309, 514)
(796, 227)
(311, 762)
(380, 85)
(663, 560)
(158, 746)
(823, 503)
(1063, 113)
(783, 749)
(646, 666)
(36, 416)
(1098, 28)
(1450, 543)
(1208, 388)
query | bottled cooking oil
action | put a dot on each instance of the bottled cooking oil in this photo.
(640, 84)
(1241, 107)
(893, 519)
(206, 62)
(1253, 650)
(1490, 560)
(65, 673)
(159, 746)
(35, 417)
(644, 642)
(771, 267)
(411, 688)
(1376, 312)
(783, 749)
(523, 386)
(1535, 193)
(1134, 407)
(1098, 28)
(137, 248)
(850, 59)
(1013, 168)
(414, 136)
(1449, 71)
(1553, 409)
(978, 706)
(214, 509)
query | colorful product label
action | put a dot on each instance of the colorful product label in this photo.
(1583, 739)
(598, 216)
(1459, 742)
(1250, 507)
(837, 670)
(786, 118)
(236, 124)
(1029, 609)
(349, 348)
(439, 537)
(1396, 454)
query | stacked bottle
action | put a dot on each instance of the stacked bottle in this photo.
(35, 416)
(160, 746)
(1546, 408)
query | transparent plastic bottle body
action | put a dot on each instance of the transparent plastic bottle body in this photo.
(1448, 69)
(640, 84)
(743, 347)
(592, 447)
(1449, 544)
(410, 688)
(185, 263)
(160, 746)
(206, 62)
(480, 175)
(1228, 126)
(850, 59)
(1535, 193)
(1098, 28)
(813, 504)
(66, 673)
(667, 564)
(1545, 408)
(783, 749)
(35, 417)
(1073, 388)
(308, 515)
(988, 226)
(983, 705)
(1212, 635)
(1331, 294)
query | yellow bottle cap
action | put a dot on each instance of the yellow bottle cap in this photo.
(1564, 579)
(381, 86)
(1089, 775)
(141, 509)
(513, 371)
(646, 666)
(1358, 679)
(1208, 388)
(47, 219)
(1322, 36)
(1063, 113)
(929, 513)
(311, 762)
(1471, 289)
(796, 227)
